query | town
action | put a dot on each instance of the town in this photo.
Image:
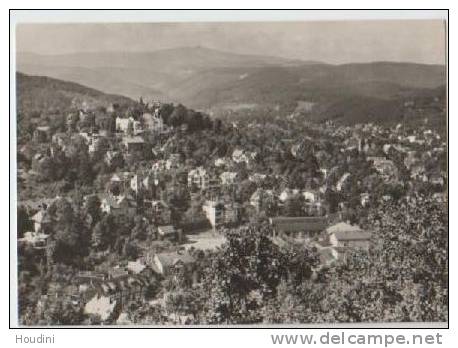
(153, 213)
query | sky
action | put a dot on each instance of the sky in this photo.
(337, 42)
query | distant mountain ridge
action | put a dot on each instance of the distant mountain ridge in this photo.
(43, 94)
(212, 80)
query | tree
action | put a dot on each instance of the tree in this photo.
(130, 128)
(178, 116)
(70, 233)
(249, 265)
(139, 232)
(24, 223)
(103, 233)
(92, 207)
(333, 199)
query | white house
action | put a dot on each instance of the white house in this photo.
(198, 177)
(122, 125)
(228, 178)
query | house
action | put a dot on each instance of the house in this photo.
(112, 156)
(386, 168)
(229, 178)
(198, 177)
(135, 267)
(136, 183)
(41, 221)
(113, 291)
(122, 125)
(219, 213)
(214, 211)
(83, 277)
(118, 205)
(310, 196)
(35, 239)
(164, 262)
(134, 144)
(343, 234)
(298, 226)
(168, 232)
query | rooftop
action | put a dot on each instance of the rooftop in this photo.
(172, 258)
(353, 235)
(297, 224)
(343, 227)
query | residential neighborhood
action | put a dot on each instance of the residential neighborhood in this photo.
(153, 206)
(195, 186)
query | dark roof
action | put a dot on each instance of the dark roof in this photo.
(299, 224)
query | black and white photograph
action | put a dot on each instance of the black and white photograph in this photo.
(230, 173)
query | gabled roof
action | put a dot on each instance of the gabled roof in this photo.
(41, 217)
(352, 235)
(171, 259)
(299, 224)
(343, 227)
